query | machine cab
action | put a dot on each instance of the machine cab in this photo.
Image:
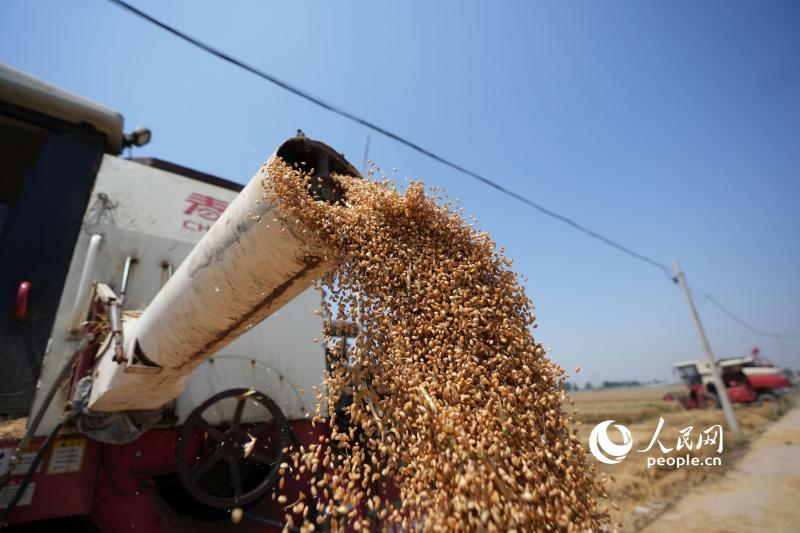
(76, 217)
(51, 145)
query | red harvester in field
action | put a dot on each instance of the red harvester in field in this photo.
(747, 380)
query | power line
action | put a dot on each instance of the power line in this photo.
(379, 129)
(430, 154)
(741, 321)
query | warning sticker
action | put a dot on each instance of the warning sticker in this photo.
(7, 494)
(22, 467)
(67, 456)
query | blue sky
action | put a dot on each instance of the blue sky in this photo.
(673, 127)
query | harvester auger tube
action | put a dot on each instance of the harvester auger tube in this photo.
(252, 261)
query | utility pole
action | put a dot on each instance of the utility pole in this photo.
(786, 361)
(722, 393)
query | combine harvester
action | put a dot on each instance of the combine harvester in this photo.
(747, 380)
(156, 336)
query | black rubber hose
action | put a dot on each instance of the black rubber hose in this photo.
(56, 384)
(31, 471)
(34, 424)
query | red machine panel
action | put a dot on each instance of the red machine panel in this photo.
(63, 484)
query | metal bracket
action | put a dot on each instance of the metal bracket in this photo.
(107, 296)
(139, 363)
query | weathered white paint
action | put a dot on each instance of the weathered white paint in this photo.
(148, 222)
(250, 263)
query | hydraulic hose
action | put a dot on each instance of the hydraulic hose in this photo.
(34, 424)
(29, 431)
(32, 470)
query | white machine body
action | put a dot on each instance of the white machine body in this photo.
(157, 217)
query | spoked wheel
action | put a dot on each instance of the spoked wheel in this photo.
(233, 464)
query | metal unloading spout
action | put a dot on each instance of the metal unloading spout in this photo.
(245, 268)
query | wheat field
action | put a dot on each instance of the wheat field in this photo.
(637, 494)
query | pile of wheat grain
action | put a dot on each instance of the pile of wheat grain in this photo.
(448, 396)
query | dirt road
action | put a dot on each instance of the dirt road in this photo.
(761, 493)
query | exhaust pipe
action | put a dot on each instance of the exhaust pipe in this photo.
(244, 269)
